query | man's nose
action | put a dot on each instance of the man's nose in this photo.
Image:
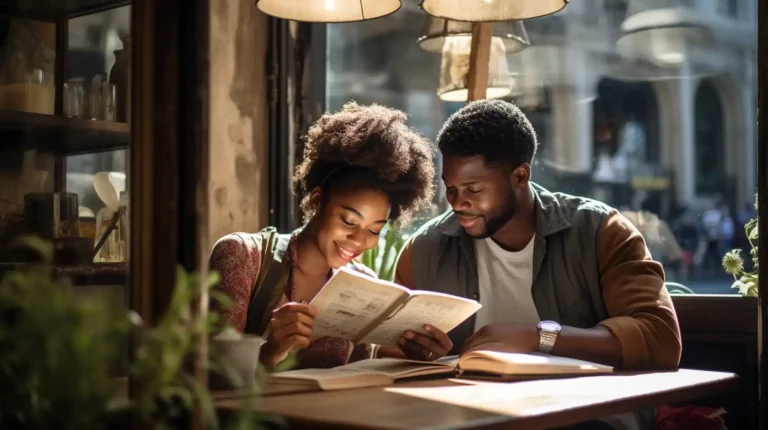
(458, 203)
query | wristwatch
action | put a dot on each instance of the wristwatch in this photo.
(548, 331)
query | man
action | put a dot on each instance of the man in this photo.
(555, 273)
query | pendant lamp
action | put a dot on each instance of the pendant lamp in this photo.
(641, 70)
(436, 30)
(663, 36)
(491, 10)
(454, 70)
(328, 10)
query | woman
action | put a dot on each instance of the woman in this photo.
(362, 168)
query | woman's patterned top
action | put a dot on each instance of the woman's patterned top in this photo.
(237, 258)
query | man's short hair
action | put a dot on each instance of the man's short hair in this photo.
(495, 129)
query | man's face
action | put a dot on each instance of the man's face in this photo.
(482, 196)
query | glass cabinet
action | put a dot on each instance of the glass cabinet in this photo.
(65, 94)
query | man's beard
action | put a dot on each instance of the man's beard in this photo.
(496, 221)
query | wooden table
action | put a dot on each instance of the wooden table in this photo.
(462, 403)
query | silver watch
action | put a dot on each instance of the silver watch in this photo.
(548, 331)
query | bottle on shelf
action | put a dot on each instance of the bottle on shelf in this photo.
(120, 76)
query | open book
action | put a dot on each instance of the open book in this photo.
(363, 309)
(385, 371)
(510, 364)
(365, 373)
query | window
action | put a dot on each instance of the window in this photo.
(710, 148)
(728, 8)
(671, 136)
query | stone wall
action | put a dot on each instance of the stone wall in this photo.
(238, 118)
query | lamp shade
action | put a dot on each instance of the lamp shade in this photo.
(491, 10)
(328, 10)
(437, 30)
(454, 70)
(663, 36)
(641, 70)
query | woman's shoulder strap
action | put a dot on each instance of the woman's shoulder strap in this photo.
(266, 240)
(273, 247)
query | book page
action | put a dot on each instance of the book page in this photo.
(442, 311)
(400, 368)
(318, 374)
(350, 303)
(337, 378)
(527, 364)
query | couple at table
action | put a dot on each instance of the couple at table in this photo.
(554, 273)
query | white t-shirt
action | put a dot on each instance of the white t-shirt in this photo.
(505, 279)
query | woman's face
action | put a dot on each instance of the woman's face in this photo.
(349, 223)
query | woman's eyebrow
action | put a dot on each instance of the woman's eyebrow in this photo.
(356, 212)
(353, 210)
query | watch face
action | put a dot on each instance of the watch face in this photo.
(549, 326)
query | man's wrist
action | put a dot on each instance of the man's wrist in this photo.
(531, 339)
(524, 338)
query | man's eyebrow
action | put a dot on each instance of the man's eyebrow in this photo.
(464, 184)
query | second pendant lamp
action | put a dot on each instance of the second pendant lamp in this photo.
(491, 10)
(453, 39)
(664, 36)
(328, 10)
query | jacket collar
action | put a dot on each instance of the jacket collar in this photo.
(550, 217)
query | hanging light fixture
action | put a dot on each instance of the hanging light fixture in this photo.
(437, 30)
(642, 70)
(454, 70)
(663, 36)
(328, 10)
(491, 10)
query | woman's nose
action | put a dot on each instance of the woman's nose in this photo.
(357, 237)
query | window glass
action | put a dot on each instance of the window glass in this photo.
(664, 131)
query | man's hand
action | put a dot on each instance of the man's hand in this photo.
(505, 338)
(290, 328)
(426, 347)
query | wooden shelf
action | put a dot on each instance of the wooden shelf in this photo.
(50, 10)
(92, 269)
(84, 274)
(60, 135)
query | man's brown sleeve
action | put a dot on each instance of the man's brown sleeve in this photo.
(641, 313)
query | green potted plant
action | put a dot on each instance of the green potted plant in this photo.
(382, 258)
(57, 350)
(167, 391)
(746, 281)
(61, 349)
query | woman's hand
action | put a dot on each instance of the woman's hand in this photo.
(426, 347)
(290, 328)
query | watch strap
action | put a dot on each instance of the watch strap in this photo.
(547, 341)
(548, 332)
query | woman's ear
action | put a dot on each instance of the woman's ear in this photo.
(315, 199)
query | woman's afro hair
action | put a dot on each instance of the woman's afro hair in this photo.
(368, 147)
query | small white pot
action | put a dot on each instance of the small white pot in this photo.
(241, 356)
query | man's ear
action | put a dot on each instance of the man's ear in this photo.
(520, 176)
(315, 199)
